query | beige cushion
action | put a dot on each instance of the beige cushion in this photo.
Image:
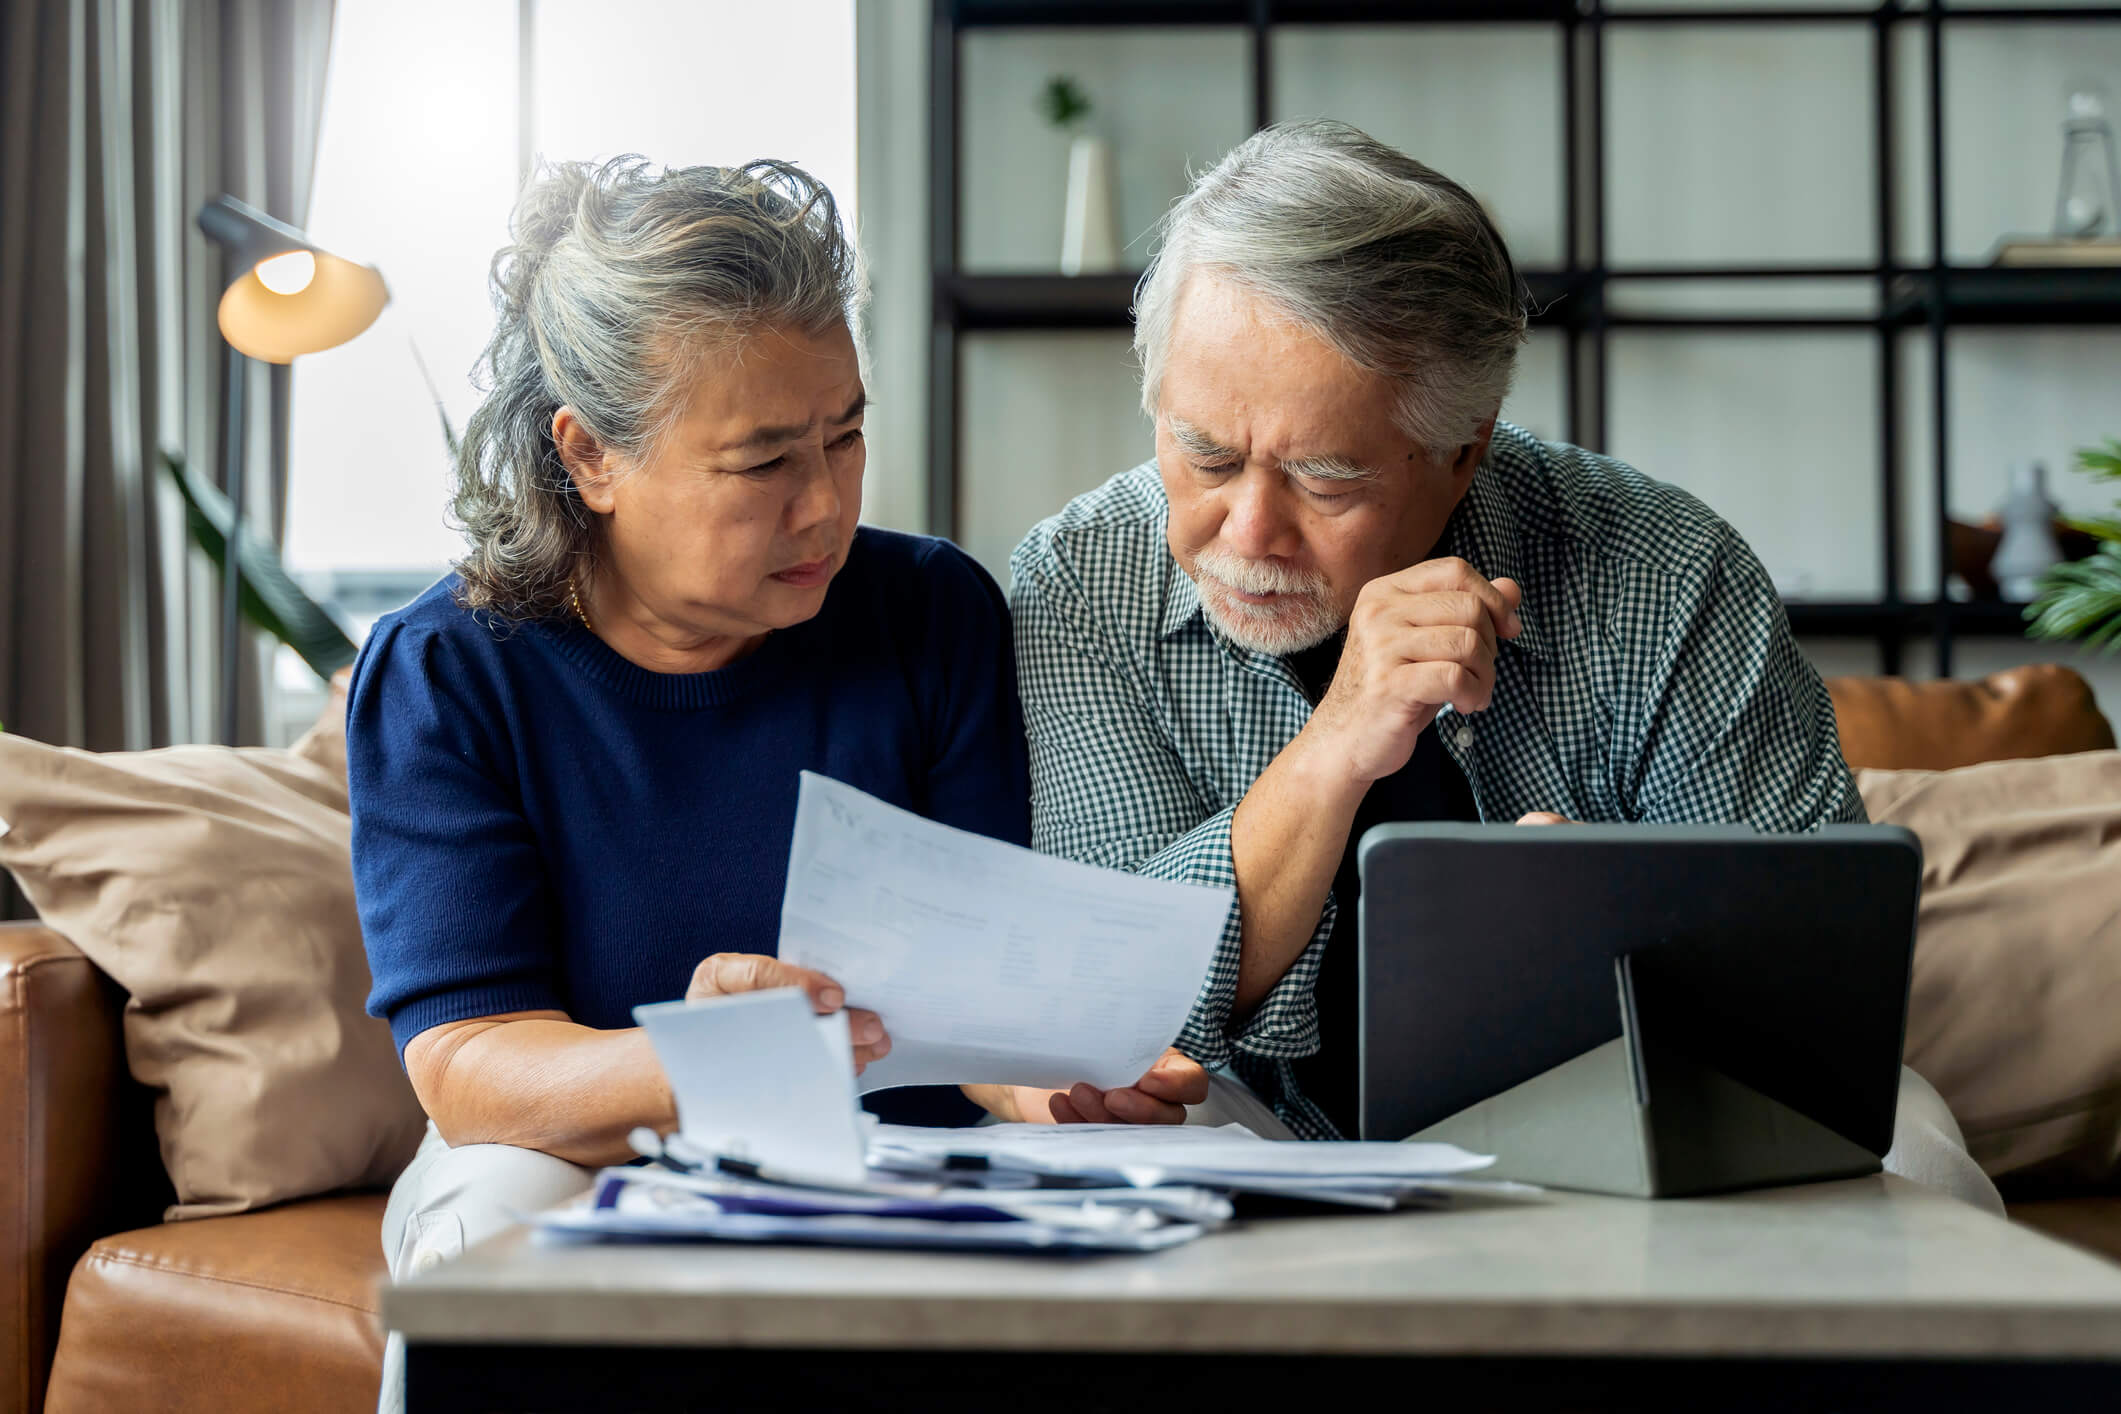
(214, 886)
(2015, 1015)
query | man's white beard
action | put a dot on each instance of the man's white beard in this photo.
(1303, 617)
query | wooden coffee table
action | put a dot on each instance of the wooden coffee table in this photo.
(1863, 1294)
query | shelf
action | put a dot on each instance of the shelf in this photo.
(1988, 618)
(1038, 301)
(986, 14)
(2048, 14)
(989, 14)
(1972, 618)
(1745, 323)
(1867, 14)
(1689, 15)
(1818, 619)
(1986, 294)
(1742, 272)
(1897, 297)
(1107, 301)
(1322, 12)
(1974, 296)
(969, 14)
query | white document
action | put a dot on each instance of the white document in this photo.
(637, 1205)
(989, 963)
(762, 1078)
(1148, 1153)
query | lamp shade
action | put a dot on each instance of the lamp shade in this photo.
(278, 309)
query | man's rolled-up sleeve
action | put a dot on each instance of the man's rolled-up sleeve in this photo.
(1108, 787)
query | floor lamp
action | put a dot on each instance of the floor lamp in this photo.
(286, 296)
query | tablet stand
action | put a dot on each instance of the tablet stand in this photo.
(1640, 1118)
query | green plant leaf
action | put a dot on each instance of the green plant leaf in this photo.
(268, 598)
(2102, 462)
(2104, 527)
(2081, 600)
(1063, 101)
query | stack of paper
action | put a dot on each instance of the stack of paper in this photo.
(1056, 1188)
(1229, 1159)
(655, 1204)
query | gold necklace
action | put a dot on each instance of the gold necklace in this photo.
(574, 597)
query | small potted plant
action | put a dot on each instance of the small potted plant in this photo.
(1090, 239)
(2082, 599)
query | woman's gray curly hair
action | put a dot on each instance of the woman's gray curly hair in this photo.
(620, 279)
(1394, 265)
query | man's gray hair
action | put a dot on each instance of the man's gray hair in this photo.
(1394, 265)
(621, 278)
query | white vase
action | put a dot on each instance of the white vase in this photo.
(2028, 549)
(1090, 242)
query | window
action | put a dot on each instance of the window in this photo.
(417, 169)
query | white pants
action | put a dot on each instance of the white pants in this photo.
(450, 1199)
(1929, 1149)
(1927, 1145)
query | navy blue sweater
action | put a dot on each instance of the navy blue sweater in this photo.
(538, 823)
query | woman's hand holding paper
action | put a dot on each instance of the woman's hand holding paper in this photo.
(726, 973)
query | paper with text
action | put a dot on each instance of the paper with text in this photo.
(989, 963)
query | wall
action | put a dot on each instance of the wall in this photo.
(1727, 146)
(891, 175)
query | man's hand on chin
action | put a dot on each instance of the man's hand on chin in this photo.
(1159, 1097)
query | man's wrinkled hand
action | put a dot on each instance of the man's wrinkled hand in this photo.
(1159, 1097)
(727, 973)
(1418, 640)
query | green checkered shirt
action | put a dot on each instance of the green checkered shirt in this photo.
(1655, 679)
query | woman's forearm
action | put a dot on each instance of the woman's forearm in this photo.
(540, 1081)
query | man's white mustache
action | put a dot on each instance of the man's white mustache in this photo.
(1257, 577)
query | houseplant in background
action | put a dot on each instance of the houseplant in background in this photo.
(2083, 599)
(269, 598)
(1090, 239)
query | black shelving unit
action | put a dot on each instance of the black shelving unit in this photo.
(1577, 298)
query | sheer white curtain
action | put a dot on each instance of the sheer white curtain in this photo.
(419, 165)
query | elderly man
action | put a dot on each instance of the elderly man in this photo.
(1345, 593)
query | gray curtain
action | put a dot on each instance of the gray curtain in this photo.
(117, 119)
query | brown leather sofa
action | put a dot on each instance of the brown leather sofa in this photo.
(272, 1310)
(276, 1310)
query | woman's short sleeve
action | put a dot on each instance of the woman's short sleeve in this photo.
(447, 873)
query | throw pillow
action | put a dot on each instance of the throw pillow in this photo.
(324, 745)
(214, 885)
(2017, 982)
(2037, 709)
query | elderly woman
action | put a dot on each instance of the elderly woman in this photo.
(573, 762)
